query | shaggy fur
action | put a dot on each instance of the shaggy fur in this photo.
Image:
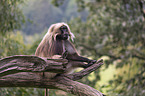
(49, 46)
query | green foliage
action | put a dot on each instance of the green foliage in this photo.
(57, 2)
(11, 16)
(114, 29)
(21, 92)
(12, 44)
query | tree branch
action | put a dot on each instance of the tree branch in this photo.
(25, 67)
(24, 63)
(81, 74)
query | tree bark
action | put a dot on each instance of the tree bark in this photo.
(24, 63)
(20, 71)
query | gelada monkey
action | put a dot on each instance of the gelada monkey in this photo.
(56, 43)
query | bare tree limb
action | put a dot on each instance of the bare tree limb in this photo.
(24, 63)
(20, 71)
(81, 74)
(62, 83)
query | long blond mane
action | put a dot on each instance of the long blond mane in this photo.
(46, 46)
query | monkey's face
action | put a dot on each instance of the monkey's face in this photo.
(64, 35)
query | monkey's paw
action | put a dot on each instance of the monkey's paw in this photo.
(91, 62)
(56, 57)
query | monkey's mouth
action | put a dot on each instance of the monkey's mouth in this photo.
(65, 37)
(62, 37)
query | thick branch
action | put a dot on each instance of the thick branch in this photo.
(28, 65)
(62, 83)
(23, 63)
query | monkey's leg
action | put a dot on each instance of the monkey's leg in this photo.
(76, 57)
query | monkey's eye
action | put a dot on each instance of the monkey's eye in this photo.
(64, 29)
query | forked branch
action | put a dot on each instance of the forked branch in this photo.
(20, 71)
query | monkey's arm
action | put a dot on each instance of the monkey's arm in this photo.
(73, 55)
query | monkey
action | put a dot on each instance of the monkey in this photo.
(56, 42)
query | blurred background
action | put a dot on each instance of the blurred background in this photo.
(113, 30)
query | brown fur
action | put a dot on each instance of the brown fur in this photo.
(51, 46)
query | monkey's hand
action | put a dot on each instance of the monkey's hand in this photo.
(56, 57)
(90, 62)
(64, 55)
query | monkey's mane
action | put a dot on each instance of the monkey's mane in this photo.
(47, 46)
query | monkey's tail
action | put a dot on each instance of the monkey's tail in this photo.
(46, 92)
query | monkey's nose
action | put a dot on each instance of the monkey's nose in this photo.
(65, 36)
